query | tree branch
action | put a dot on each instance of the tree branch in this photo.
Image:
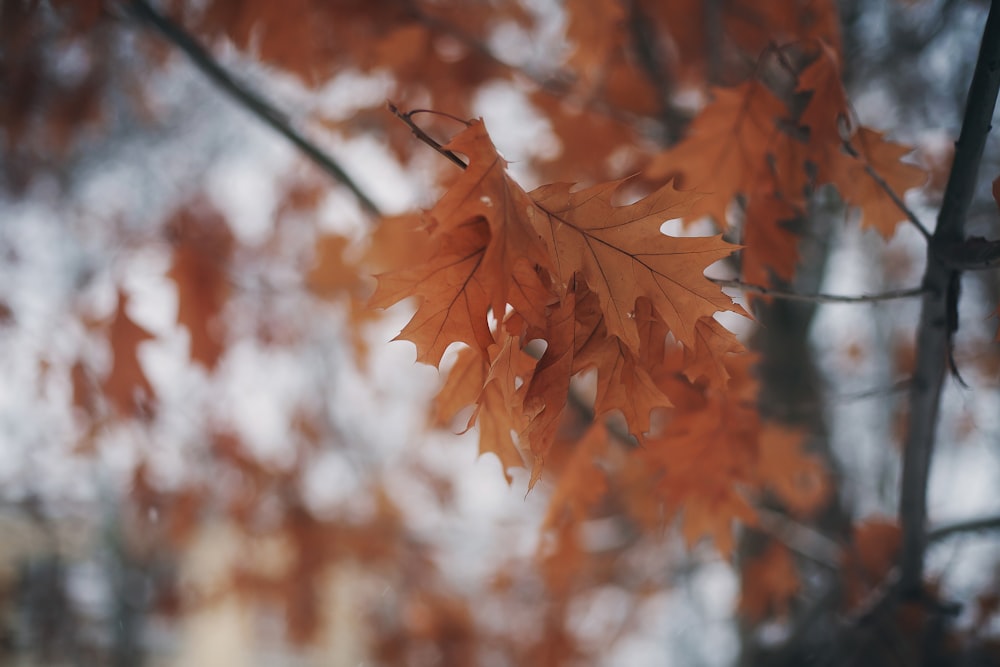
(973, 254)
(947, 530)
(938, 318)
(818, 298)
(653, 60)
(800, 538)
(249, 99)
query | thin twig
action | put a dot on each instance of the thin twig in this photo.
(938, 317)
(418, 132)
(249, 99)
(901, 385)
(947, 530)
(800, 538)
(818, 298)
(972, 254)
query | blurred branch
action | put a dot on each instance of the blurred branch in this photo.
(249, 99)
(654, 62)
(800, 538)
(938, 317)
(972, 254)
(947, 530)
(714, 39)
(818, 298)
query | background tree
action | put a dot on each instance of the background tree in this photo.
(198, 193)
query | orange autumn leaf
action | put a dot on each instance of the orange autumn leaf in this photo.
(399, 240)
(330, 276)
(713, 343)
(827, 112)
(495, 387)
(462, 388)
(772, 246)
(860, 189)
(624, 383)
(546, 395)
(203, 248)
(594, 29)
(126, 386)
(874, 551)
(798, 478)
(714, 513)
(498, 414)
(707, 461)
(770, 581)
(623, 256)
(581, 482)
(726, 148)
(335, 277)
(486, 225)
(485, 191)
(452, 293)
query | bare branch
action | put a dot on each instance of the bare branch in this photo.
(800, 538)
(818, 298)
(249, 99)
(938, 317)
(973, 254)
(947, 530)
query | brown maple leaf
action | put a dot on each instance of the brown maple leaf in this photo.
(798, 478)
(770, 581)
(203, 248)
(486, 225)
(594, 28)
(726, 148)
(772, 245)
(126, 386)
(622, 255)
(858, 188)
(624, 383)
(581, 482)
(486, 191)
(874, 550)
(454, 301)
(827, 111)
(714, 343)
(499, 412)
(495, 387)
(330, 276)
